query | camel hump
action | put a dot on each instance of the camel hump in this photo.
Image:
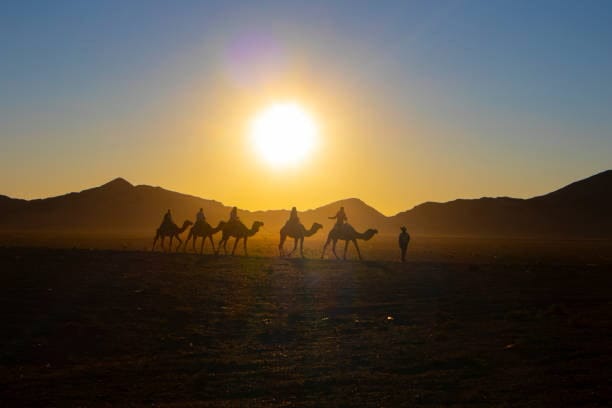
(347, 228)
(232, 226)
(290, 225)
(233, 223)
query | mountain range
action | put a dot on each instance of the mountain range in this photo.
(579, 210)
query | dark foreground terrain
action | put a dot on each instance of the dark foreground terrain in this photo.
(115, 328)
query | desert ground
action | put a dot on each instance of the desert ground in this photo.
(466, 322)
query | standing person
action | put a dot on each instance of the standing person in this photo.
(404, 239)
(340, 217)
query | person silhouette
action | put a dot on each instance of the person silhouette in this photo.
(234, 215)
(167, 221)
(340, 218)
(293, 217)
(200, 218)
(403, 240)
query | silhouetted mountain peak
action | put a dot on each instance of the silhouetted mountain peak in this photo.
(352, 204)
(118, 183)
(352, 200)
(597, 187)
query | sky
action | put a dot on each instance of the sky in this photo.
(414, 100)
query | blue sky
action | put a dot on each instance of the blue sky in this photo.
(445, 99)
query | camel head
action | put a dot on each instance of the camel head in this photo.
(187, 223)
(369, 234)
(221, 224)
(255, 228)
(313, 230)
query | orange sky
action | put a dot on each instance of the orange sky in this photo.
(414, 102)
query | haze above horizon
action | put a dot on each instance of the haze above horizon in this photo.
(413, 102)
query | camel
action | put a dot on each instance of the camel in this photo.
(203, 230)
(298, 232)
(239, 231)
(348, 234)
(172, 231)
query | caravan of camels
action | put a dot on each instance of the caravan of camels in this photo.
(234, 228)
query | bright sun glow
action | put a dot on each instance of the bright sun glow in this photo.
(284, 134)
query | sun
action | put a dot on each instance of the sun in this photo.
(283, 134)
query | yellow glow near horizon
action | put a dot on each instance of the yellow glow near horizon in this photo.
(284, 134)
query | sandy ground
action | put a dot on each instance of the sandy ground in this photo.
(496, 324)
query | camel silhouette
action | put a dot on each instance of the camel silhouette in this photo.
(203, 230)
(239, 231)
(298, 232)
(348, 234)
(170, 230)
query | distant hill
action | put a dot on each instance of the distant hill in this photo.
(119, 206)
(114, 206)
(581, 209)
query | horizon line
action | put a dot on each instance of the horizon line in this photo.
(123, 179)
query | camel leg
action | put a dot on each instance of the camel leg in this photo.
(295, 242)
(170, 245)
(219, 246)
(302, 247)
(245, 246)
(193, 243)
(345, 248)
(224, 242)
(235, 245)
(154, 241)
(281, 249)
(325, 247)
(163, 238)
(202, 245)
(212, 243)
(334, 248)
(179, 244)
(357, 248)
(187, 241)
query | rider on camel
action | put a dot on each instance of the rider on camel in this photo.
(200, 218)
(340, 218)
(293, 217)
(167, 221)
(234, 216)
